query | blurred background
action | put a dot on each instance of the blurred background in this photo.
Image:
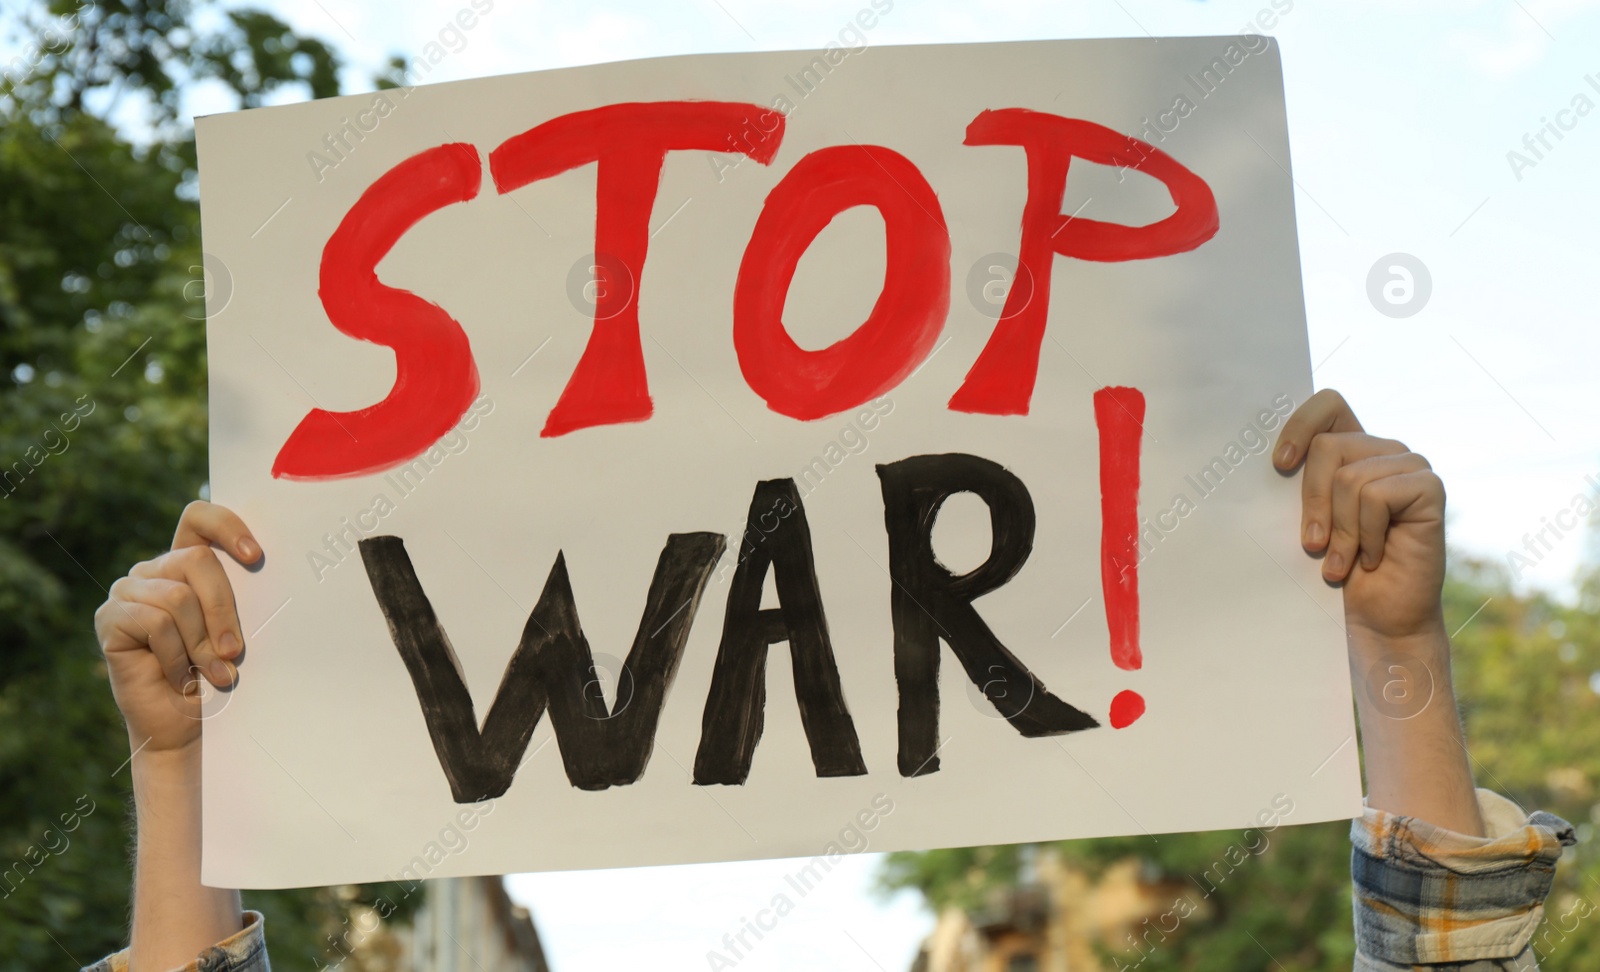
(1444, 159)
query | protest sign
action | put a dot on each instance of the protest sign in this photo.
(702, 458)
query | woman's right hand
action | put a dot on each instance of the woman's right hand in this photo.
(171, 622)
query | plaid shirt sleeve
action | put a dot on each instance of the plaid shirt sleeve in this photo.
(243, 951)
(1429, 896)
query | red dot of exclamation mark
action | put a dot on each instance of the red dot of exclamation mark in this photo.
(1127, 707)
(1119, 415)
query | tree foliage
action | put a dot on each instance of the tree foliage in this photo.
(103, 430)
(1527, 676)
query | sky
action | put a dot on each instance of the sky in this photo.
(1402, 119)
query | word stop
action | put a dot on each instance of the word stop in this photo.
(436, 377)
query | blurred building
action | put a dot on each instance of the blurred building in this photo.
(1053, 920)
(470, 925)
(463, 925)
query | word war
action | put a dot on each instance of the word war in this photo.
(603, 746)
(436, 376)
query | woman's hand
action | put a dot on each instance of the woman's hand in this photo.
(172, 622)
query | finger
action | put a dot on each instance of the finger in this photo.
(199, 568)
(1387, 501)
(1326, 411)
(1329, 452)
(1348, 482)
(205, 523)
(145, 626)
(116, 630)
(183, 605)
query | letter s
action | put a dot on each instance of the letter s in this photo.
(435, 377)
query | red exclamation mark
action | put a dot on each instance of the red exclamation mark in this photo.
(1119, 414)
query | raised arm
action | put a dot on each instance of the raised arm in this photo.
(1443, 875)
(168, 624)
(1374, 511)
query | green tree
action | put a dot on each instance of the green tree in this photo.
(1527, 674)
(103, 431)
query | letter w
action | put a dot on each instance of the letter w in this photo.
(552, 666)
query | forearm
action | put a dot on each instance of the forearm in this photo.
(1442, 875)
(175, 918)
(1415, 754)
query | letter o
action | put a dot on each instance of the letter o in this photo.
(909, 313)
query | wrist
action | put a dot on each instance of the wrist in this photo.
(1427, 639)
(166, 781)
(1398, 678)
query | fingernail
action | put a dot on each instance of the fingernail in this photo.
(1285, 453)
(1335, 563)
(228, 644)
(248, 549)
(221, 673)
(1314, 533)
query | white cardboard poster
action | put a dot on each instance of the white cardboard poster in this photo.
(764, 455)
